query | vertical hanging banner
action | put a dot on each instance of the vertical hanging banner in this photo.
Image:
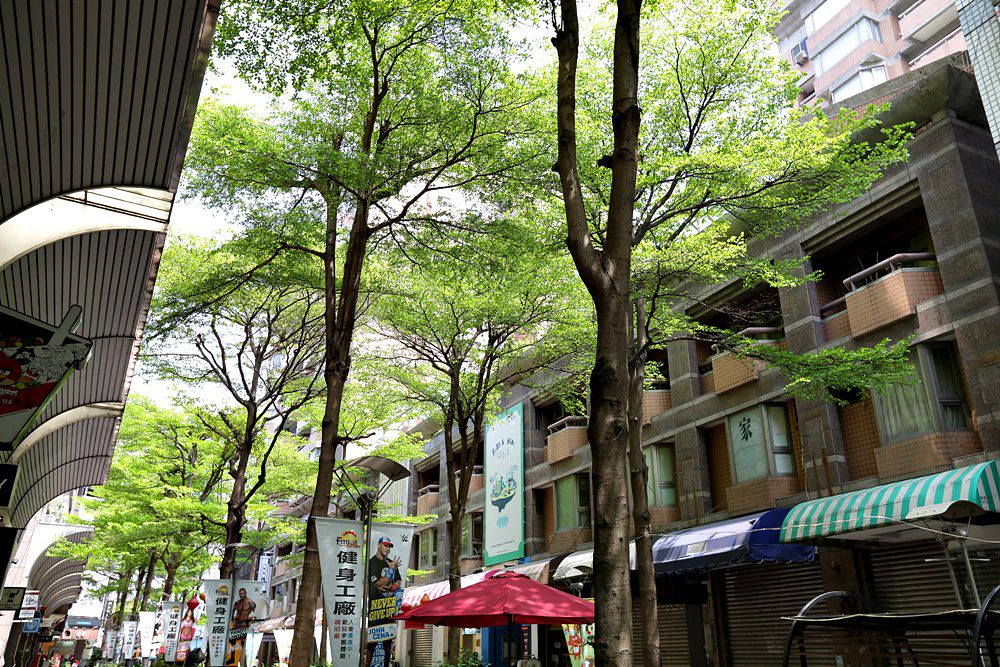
(386, 579)
(35, 360)
(128, 646)
(254, 640)
(217, 597)
(147, 624)
(189, 623)
(283, 642)
(249, 606)
(342, 566)
(503, 456)
(170, 621)
(108, 651)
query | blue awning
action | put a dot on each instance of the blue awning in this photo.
(748, 539)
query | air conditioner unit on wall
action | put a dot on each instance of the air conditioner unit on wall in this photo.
(799, 53)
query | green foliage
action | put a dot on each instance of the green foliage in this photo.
(465, 659)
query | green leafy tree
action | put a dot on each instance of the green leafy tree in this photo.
(258, 347)
(397, 104)
(704, 132)
(468, 325)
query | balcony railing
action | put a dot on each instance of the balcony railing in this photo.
(953, 42)
(731, 371)
(565, 437)
(875, 301)
(654, 401)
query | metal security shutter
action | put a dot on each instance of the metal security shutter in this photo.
(672, 622)
(912, 578)
(422, 647)
(757, 597)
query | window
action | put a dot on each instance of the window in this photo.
(760, 442)
(860, 82)
(934, 402)
(428, 549)
(853, 37)
(822, 14)
(472, 535)
(573, 502)
(661, 488)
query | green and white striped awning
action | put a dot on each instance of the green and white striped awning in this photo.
(912, 499)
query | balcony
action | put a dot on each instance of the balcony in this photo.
(927, 18)
(476, 482)
(565, 437)
(924, 454)
(428, 499)
(731, 372)
(654, 401)
(891, 297)
(951, 43)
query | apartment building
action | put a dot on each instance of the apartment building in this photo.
(750, 490)
(844, 47)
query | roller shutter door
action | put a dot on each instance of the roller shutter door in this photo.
(757, 597)
(422, 647)
(672, 623)
(912, 578)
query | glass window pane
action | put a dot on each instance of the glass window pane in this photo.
(949, 380)
(565, 503)
(777, 417)
(784, 464)
(666, 482)
(748, 446)
(467, 535)
(651, 476)
(905, 410)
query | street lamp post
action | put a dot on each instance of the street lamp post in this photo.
(366, 501)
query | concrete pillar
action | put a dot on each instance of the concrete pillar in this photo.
(694, 492)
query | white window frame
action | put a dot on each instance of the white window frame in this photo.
(866, 79)
(776, 439)
(657, 478)
(927, 376)
(472, 528)
(428, 557)
(822, 14)
(863, 30)
(581, 512)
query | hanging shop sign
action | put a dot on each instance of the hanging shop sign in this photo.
(32, 626)
(503, 523)
(11, 598)
(217, 598)
(170, 622)
(8, 540)
(8, 475)
(341, 545)
(35, 360)
(386, 579)
(29, 605)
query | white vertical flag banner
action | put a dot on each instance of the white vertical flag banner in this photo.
(386, 577)
(170, 623)
(147, 622)
(128, 647)
(342, 565)
(217, 594)
(254, 640)
(283, 639)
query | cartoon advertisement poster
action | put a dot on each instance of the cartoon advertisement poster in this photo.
(386, 579)
(35, 359)
(341, 559)
(503, 524)
(580, 643)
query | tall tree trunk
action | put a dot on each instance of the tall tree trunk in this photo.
(236, 507)
(138, 591)
(606, 272)
(640, 502)
(122, 599)
(170, 567)
(341, 316)
(148, 586)
(454, 527)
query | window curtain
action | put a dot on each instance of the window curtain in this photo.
(905, 411)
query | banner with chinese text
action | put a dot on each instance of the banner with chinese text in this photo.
(147, 623)
(128, 646)
(170, 623)
(503, 516)
(341, 561)
(29, 605)
(386, 577)
(108, 651)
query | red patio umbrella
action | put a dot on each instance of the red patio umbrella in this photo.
(506, 598)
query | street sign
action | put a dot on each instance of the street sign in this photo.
(32, 626)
